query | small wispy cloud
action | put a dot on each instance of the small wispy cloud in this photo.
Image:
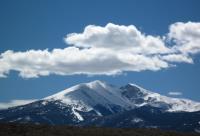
(12, 103)
(175, 93)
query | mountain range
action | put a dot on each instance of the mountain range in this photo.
(98, 103)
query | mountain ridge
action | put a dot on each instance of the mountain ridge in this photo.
(97, 89)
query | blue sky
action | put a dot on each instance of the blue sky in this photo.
(38, 25)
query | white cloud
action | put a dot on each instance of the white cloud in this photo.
(12, 103)
(175, 93)
(186, 37)
(117, 37)
(108, 50)
(178, 58)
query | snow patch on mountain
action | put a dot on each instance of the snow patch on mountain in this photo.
(79, 117)
(136, 120)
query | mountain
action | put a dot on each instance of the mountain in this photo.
(101, 104)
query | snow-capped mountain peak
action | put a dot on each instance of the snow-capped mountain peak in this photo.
(96, 83)
(88, 96)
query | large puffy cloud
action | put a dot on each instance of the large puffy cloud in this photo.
(116, 37)
(107, 50)
(72, 60)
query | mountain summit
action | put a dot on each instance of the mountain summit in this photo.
(86, 96)
(99, 103)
